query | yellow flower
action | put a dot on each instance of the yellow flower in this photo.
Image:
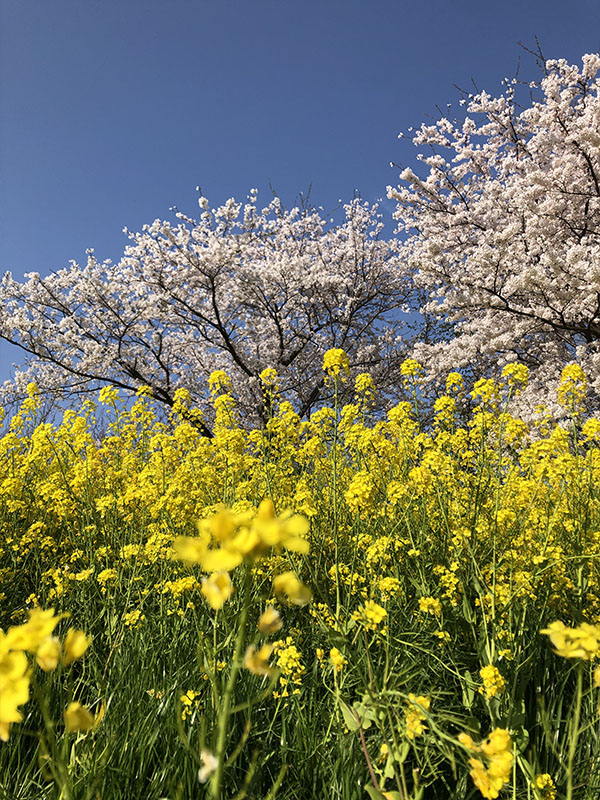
(430, 605)
(414, 714)
(288, 587)
(410, 368)
(289, 661)
(270, 621)
(516, 374)
(454, 381)
(189, 700)
(334, 361)
(14, 688)
(48, 654)
(134, 619)
(591, 429)
(364, 384)
(83, 575)
(38, 627)
(493, 682)
(219, 381)
(370, 615)
(360, 492)
(76, 643)
(217, 589)
(257, 661)
(581, 642)
(108, 395)
(337, 659)
(78, 718)
(268, 378)
(573, 387)
(492, 773)
(545, 783)
(486, 389)
(246, 535)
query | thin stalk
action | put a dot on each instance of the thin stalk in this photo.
(225, 712)
(574, 731)
(335, 500)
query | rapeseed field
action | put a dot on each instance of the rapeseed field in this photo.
(348, 606)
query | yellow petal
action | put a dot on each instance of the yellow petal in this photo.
(76, 643)
(221, 560)
(78, 718)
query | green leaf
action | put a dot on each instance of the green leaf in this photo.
(400, 755)
(468, 614)
(468, 691)
(349, 719)
(375, 795)
(388, 771)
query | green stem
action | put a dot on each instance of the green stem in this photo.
(58, 766)
(335, 508)
(574, 731)
(225, 712)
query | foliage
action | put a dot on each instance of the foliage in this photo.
(503, 231)
(240, 289)
(435, 556)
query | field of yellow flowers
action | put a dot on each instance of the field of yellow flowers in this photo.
(350, 606)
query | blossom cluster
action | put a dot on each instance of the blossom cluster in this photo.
(35, 637)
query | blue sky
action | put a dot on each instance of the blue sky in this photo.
(114, 111)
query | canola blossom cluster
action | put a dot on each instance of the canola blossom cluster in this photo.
(35, 637)
(491, 763)
(580, 642)
(391, 573)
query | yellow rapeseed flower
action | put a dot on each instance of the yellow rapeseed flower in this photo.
(48, 654)
(243, 536)
(336, 361)
(14, 687)
(410, 368)
(370, 615)
(337, 659)
(78, 718)
(108, 395)
(546, 787)
(491, 772)
(581, 642)
(134, 619)
(288, 586)
(573, 387)
(359, 494)
(39, 626)
(415, 713)
(217, 589)
(270, 621)
(454, 381)
(493, 682)
(430, 605)
(219, 381)
(76, 643)
(257, 661)
(516, 374)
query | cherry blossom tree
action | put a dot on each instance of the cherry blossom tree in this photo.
(502, 227)
(239, 289)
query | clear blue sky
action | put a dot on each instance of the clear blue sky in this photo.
(114, 111)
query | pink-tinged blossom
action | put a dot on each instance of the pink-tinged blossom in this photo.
(240, 289)
(502, 229)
